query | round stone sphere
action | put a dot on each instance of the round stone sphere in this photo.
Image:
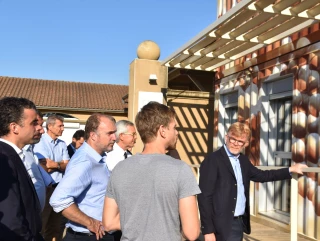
(148, 50)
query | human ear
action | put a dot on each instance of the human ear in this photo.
(162, 131)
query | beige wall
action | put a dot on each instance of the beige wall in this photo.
(140, 70)
(83, 116)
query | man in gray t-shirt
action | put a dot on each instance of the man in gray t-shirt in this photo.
(151, 196)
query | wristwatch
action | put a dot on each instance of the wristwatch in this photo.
(58, 166)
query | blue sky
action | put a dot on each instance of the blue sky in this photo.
(92, 40)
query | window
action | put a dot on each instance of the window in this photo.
(228, 113)
(275, 138)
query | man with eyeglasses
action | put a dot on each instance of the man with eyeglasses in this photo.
(126, 138)
(225, 177)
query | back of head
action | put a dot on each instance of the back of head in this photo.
(122, 127)
(52, 119)
(39, 114)
(78, 134)
(238, 129)
(12, 110)
(93, 123)
(150, 118)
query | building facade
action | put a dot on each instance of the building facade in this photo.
(266, 59)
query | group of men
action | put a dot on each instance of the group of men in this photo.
(100, 190)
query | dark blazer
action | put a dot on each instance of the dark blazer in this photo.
(218, 198)
(20, 212)
(70, 150)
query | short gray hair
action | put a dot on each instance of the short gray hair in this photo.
(52, 119)
(122, 127)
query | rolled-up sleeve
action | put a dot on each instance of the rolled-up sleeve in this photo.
(77, 178)
(65, 154)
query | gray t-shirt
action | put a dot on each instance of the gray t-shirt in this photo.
(147, 189)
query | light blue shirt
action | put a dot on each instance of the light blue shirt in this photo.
(84, 183)
(55, 150)
(241, 198)
(34, 172)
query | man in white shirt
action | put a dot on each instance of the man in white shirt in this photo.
(126, 138)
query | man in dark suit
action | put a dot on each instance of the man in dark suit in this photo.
(20, 212)
(77, 141)
(225, 177)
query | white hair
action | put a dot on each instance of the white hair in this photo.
(122, 127)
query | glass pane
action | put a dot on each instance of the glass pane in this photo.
(282, 108)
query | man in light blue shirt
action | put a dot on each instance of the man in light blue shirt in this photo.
(53, 157)
(80, 194)
(40, 178)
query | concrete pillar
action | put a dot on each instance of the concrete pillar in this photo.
(146, 75)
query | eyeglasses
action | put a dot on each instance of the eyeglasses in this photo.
(131, 134)
(233, 141)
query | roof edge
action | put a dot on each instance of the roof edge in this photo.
(239, 6)
(83, 109)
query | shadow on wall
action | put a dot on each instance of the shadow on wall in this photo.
(195, 126)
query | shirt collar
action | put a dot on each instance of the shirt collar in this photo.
(93, 153)
(229, 153)
(17, 149)
(117, 148)
(73, 148)
(49, 139)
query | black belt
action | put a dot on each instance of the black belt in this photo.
(69, 230)
(238, 217)
(54, 184)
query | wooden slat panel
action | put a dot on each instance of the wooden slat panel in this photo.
(279, 29)
(210, 63)
(201, 61)
(240, 49)
(304, 6)
(189, 60)
(265, 27)
(203, 43)
(178, 59)
(314, 11)
(256, 21)
(283, 5)
(240, 18)
(227, 47)
(214, 46)
(263, 4)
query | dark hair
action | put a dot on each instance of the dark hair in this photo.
(12, 110)
(39, 113)
(78, 134)
(93, 123)
(151, 117)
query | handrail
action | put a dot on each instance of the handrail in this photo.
(293, 198)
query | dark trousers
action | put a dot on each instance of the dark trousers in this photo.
(236, 230)
(74, 237)
(117, 235)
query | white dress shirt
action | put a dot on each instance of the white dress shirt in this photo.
(115, 156)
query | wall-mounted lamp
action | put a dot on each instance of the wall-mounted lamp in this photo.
(153, 79)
